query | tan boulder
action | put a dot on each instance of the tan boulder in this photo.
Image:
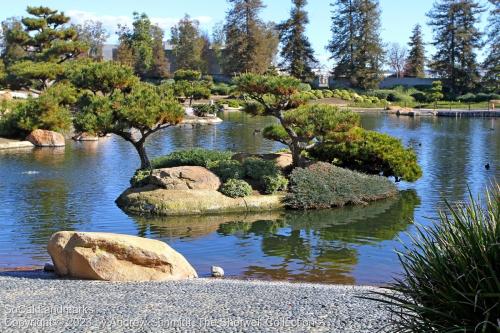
(185, 178)
(85, 137)
(114, 257)
(44, 138)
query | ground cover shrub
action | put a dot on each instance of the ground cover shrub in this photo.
(236, 188)
(451, 272)
(195, 157)
(323, 185)
(227, 169)
(274, 184)
(257, 168)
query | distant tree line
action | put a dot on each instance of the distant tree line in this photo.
(245, 43)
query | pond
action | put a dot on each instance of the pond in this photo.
(73, 188)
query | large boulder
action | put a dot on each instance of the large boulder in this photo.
(157, 201)
(44, 138)
(185, 178)
(114, 257)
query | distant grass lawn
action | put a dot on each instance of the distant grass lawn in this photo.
(416, 105)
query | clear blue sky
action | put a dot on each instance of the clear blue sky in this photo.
(398, 16)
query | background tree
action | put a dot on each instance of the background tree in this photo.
(297, 52)
(47, 42)
(456, 38)
(11, 51)
(396, 57)
(250, 45)
(355, 45)
(123, 106)
(415, 63)
(491, 64)
(94, 34)
(136, 45)
(160, 68)
(187, 44)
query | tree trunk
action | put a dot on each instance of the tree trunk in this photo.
(141, 150)
(297, 159)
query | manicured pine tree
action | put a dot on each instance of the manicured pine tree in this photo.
(456, 38)
(47, 42)
(187, 44)
(297, 53)
(250, 45)
(415, 63)
(355, 45)
(491, 64)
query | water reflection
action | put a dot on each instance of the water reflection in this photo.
(316, 246)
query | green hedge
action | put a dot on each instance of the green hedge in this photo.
(323, 185)
(226, 169)
(196, 157)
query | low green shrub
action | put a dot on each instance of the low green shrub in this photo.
(257, 168)
(273, 184)
(221, 89)
(236, 188)
(305, 87)
(140, 178)
(451, 272)
(197, 157)
(419, 96)
(323, 185)
(227, 169)
(233, 103)
(203, 110)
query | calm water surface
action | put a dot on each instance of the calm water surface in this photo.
(74, 188)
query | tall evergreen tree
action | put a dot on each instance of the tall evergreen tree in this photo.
(11, 49)
(136, 44)
(456, 38)
(491, 64)
(160, 68)
(415, 63)
(297, 53)
(355, 45)
(187, 44)
(250, 44)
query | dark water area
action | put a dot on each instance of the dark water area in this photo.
(73, 188)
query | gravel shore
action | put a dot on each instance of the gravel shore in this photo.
(39, 302)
